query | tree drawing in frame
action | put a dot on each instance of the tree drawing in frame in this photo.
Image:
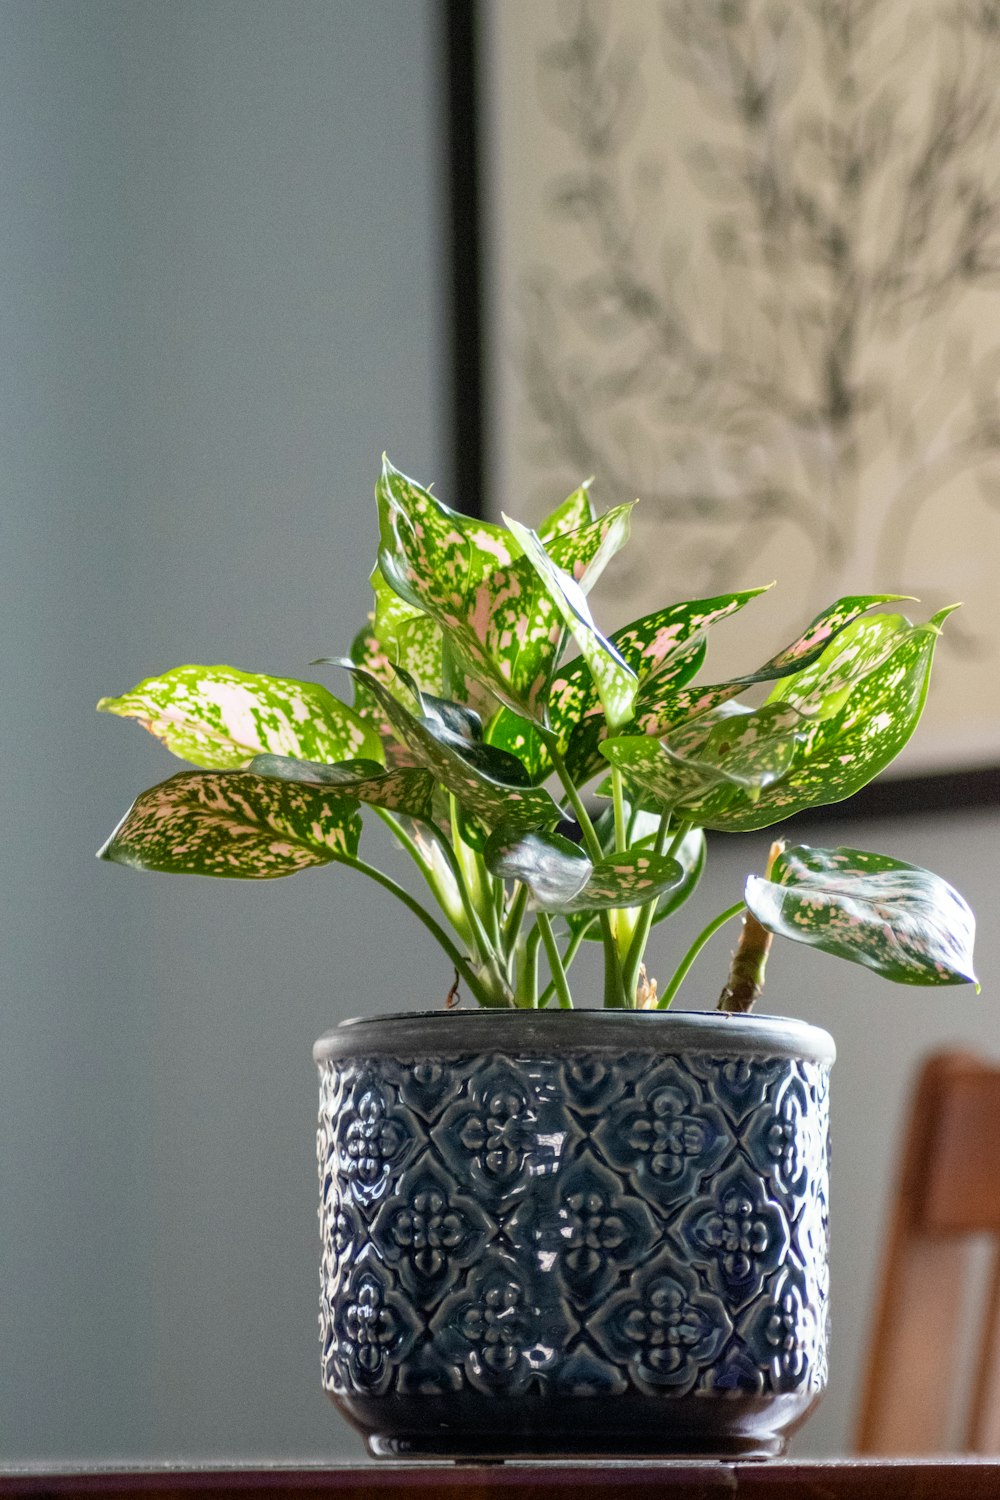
(764, 297)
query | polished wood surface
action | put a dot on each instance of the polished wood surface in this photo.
(847, 1479)
(947, 1191)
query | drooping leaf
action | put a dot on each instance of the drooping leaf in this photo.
(690, 856)
(475, 773)
(902, 921)
(407, 791)
(661, 711)
(552, 867)
(220, 718)
(614, 681)
(840, 754)
(235, 825)
(561, 878)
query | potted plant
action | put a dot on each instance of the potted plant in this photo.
(549, 1230)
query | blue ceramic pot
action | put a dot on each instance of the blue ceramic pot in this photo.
(586, 1232)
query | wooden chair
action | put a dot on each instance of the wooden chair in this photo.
(948, 1190)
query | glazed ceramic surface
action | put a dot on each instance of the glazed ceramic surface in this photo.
(586, 1232)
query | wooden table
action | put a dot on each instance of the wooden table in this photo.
(958, 1478)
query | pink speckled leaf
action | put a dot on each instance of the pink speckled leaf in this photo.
(902, 921)
(407, 791)
(838, 755)
(658, 712)
(748, 749)
(664, 649)
(560, 877)
(615, 682)
(489, 785)
(576, 510)
(219, 718)
(235, 825)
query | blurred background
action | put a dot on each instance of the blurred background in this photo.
(225, 286)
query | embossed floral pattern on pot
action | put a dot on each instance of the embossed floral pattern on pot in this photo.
(669, 1137)
(500, 1328)
(665, 1328)
(737, 1232)
(429, 1231)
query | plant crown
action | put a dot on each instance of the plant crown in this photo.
(487, 702)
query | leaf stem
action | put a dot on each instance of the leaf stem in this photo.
(433, 927)
(643, 927)
(614, 990)
(694, 950)
(555, 962)
(571, 947)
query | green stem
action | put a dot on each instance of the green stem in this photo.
(457, 917)
(643, 927)
(434, 928)
(577, 938)
(555, 962)
(694, 950)
(614, 992)
(515, 916)
(479, 935)
(618, 792)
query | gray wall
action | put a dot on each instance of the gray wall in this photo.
(221, 294)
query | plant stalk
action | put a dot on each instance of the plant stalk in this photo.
(555, 961)
(692, 953)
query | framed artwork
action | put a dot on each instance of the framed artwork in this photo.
(742, 261)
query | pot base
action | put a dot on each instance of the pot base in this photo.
(736, 1427)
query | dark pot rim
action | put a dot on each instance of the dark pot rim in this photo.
(420, 1034)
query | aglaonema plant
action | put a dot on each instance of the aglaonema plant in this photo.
(491, 719)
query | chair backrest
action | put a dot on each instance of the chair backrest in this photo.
(948, 1190)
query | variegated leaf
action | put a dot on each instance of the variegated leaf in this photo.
(660, 712)
(407, 791)
(560, 877)
(904, 922)
(235, 825)
(509, 631)
(220, 718)
(576, 510)
(368, 652)
(429, 554)
(632, 878)
(749, 749)
(473, 772)
(821, 689)
(508, 731)
(664, 650)
(690, 856)
(615, 682)
(552, 867)
(840, 754)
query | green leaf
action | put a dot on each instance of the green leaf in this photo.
(748, 749)
(840, 754)
(615, 682)
(235, 825)
(660, 712)
(552, 867)
(476, 774)
(561, 878)
(220, 718)
(408, 791)
(664, 649)
(430, 555)
(576, 510)
(690, 856)
(895, 918)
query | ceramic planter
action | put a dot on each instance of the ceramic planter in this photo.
(586, 1232)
